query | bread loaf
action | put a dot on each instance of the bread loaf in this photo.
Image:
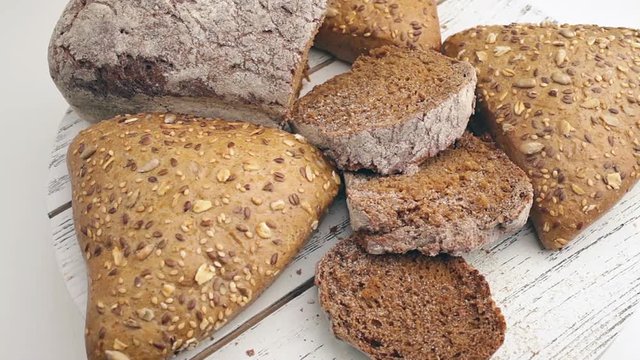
(234, 59)
(465, 197)
(183, 222)
(395, 108)
(408, 306)
(563, 101)
(353, 27)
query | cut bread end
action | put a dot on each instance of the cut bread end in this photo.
(408, 306)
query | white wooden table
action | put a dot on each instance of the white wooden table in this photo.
(558, 305)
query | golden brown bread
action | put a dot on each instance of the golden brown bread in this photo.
(183, 222)
(353, 27)
(564, 104)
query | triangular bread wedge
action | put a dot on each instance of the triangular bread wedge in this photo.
(563, 101)
(408, 306)
(183, 222)
(468, 195)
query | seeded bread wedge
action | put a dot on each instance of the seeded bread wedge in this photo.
(395, 108)
(233, 59)
(185, 221)
(563, 101)
(408, 306)
(465, 197)
(354, 27)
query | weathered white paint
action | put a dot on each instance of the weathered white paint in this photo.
(560, 305)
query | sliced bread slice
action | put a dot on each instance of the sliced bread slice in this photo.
(394, 109)
(467, 196)
(408, 306)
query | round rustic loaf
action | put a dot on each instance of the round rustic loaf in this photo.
(184, 221)
(233, 59)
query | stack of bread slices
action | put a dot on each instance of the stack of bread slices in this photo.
(420, 191)
(186, 211)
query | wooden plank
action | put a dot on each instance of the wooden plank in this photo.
(303, 333)
(558, 305)
(70, 259)
(458, 15)
(59, 187)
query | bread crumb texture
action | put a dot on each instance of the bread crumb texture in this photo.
(466, 196)
(408, 306)
(382, 89)
(184, 221)
(564, 103)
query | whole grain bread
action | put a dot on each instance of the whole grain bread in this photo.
(354, 27)
(396, 107)
(234, 59)
(183, 222)
(563, 101)
(408, 306)
(465, 197)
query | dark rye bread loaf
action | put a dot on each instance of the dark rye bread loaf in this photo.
(396, 107)
(354, 27)
(563, 101)
(183, 222)
(468, 195)
(408, 306)
(233, 59)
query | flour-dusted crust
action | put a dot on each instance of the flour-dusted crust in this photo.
(183, 222)
(395, 108)
(563, 101)
(354, 27)
(235, 59)
(465, 197)
(408, 306)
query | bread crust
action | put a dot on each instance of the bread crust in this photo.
(114, 57)
(467, 196)
(354, 27)
(408, 306)
(183, 221)
(563, 102)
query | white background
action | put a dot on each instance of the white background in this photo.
(37, 317)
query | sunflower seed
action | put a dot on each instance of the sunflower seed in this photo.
(530, 148)
(150, 165)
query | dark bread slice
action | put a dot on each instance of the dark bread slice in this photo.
(408, 306)
(395, 108)
(469, 195)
